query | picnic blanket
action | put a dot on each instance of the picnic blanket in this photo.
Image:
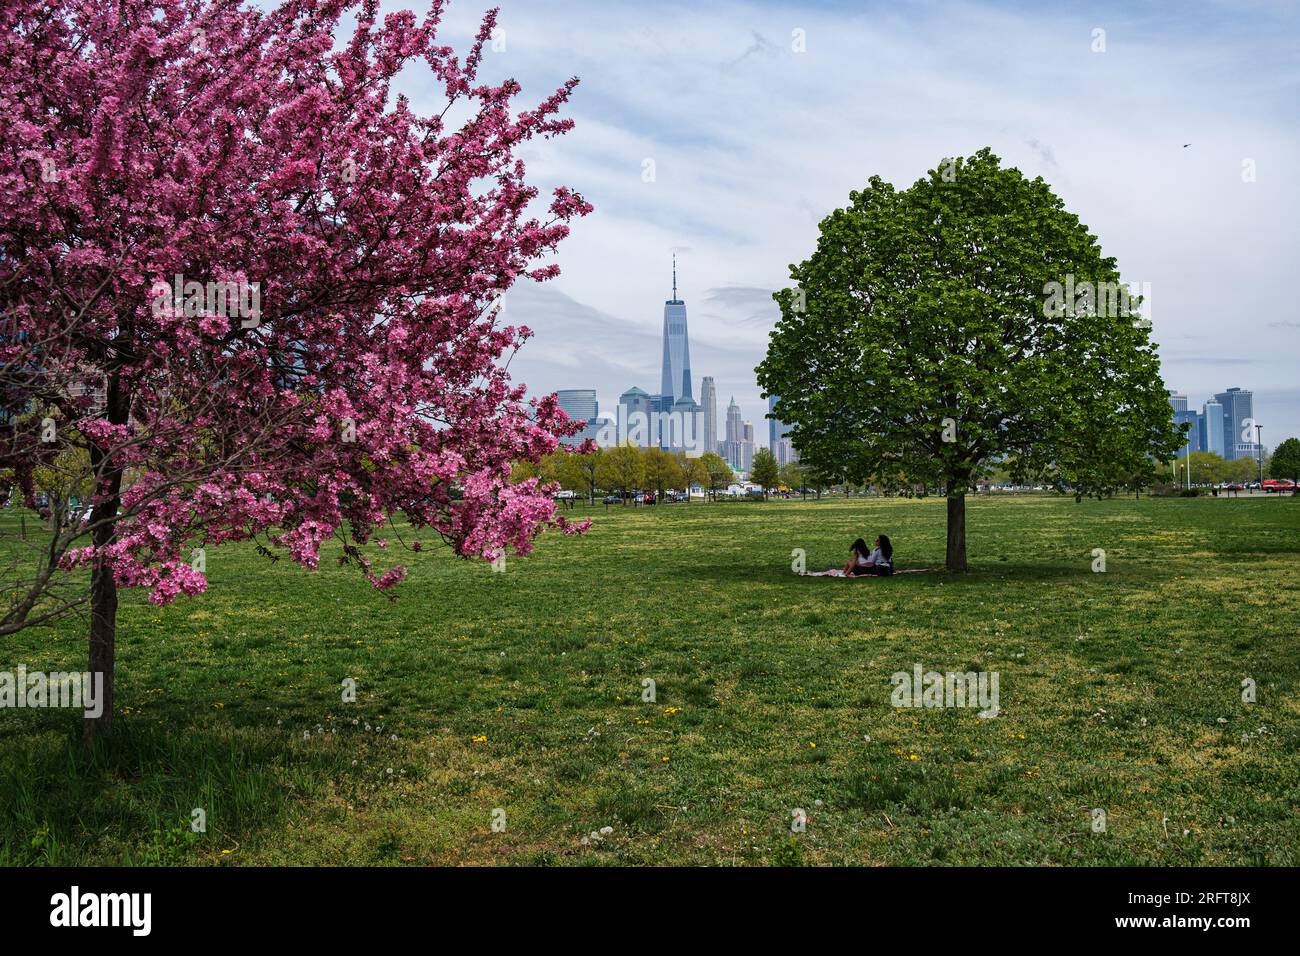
(839, 573)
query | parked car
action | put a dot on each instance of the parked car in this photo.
(565, 495)
(1279, 484)
(613, 500)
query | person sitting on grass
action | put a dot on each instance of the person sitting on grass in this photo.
(878, 561)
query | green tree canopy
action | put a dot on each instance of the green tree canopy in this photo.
(793, 476)
(764, 470)
(969, 317)
(690, 471)
(660, 470)
(579, 471)
(719, 472)
(621, 469)
(1285, 462)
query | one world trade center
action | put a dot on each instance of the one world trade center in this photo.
(676, 381)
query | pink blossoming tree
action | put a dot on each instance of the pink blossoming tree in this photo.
(260, 291)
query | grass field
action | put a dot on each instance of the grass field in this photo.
(522, 692)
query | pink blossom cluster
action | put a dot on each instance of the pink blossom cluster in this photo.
(220, 141)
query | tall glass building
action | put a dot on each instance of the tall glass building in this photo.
(709, 401)
(579, 403)
(1238, 418)
(1212, 429)
(777, 431)
(675, 381)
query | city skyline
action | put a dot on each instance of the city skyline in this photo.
(671, 419)
(736, 181)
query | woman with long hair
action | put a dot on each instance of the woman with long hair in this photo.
(881, 560)
(859, 559)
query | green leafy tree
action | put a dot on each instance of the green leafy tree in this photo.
(66, 479)
(690, 471)
(1208, 467)
(793, 476)
(764, 471)
(1240, 470)
(545, 469)
(719, 472)
(660, 469)
(580, 471)
(1285, 462)
(621, 469)
(969, 318)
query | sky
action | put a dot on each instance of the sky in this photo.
(759, 118)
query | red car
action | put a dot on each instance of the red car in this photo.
(1279, 484)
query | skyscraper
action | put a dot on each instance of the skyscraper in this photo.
(735, 425)
(1238, 420)
(580, 405)
(1212, 428)
(1187, 417)
(709, 401)
(738, 449)
(636, 407)
(675, 382)
(777, 431)
(1182, 416)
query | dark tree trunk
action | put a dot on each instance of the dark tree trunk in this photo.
(103, 638)
(103, 587)
(956, 559)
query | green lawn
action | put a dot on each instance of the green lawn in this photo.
(522, 691)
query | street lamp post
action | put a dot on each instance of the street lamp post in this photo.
(1259, 451)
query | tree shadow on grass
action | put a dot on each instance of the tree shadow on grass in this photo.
(769, 572)
(133, 800)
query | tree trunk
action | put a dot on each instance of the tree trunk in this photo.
(103, 638)
(956, 559)
(103, 587)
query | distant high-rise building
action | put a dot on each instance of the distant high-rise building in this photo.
(1186, 417)
(738, 449)
(784, 451)
(683, 430)
(1212, 428)
(636, 412)
(675, 381)
(1178, 402)
(1239, 436)
(735, 426)
(580, 405)
(777, 431)
(709, 401)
